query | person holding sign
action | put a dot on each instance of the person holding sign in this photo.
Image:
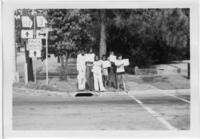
(97, 72)
(120, 63)
(106, 65)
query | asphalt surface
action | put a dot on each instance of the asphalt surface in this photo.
(155, 111)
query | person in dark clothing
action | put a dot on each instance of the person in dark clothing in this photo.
(112, 70)
(89, 75)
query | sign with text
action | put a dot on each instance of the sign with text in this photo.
(27, 22)
(26, 34)
(34, 44)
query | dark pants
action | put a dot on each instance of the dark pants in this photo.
(89, 78)
(112, 76)
(105, 80)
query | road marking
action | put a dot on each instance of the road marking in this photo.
(154, 114)
(182, 99)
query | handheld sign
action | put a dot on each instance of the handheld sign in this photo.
(126, 62)
(106, 64)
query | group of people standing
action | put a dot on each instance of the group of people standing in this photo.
(95, 73)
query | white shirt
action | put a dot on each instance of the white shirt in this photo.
(120, 66)
(97, 66)
(80, 62)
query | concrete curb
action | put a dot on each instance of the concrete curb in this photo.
(72, 94)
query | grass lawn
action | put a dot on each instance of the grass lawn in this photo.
(162, 81)
(139, 82)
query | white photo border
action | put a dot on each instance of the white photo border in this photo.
(8, 62)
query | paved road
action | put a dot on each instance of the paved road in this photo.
(116, 112)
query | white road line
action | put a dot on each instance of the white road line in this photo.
(154, 114)
(182, 99)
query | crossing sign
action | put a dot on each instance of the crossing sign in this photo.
(27, 22)
(34, 44)
(26, 34)
(41, 34)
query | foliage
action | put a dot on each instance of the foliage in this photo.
(146, 36)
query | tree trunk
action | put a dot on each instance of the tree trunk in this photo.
(103, 47)
(58, 59)
(62, 70)
(66, 64)
(29, 64)
(62, 61)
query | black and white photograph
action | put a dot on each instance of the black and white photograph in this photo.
(101, 69)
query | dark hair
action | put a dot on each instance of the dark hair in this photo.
(119, 55)
(95, 57)
(103, 56)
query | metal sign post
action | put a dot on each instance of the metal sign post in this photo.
(34, 36)
(47, 74)
(35, 72)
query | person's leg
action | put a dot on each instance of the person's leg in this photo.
(82, 85)
(79, 80)
(84, 79)
(96, 86)
(101, 82)
(106, 81)
(91, 79)
(87, 77)
(123, 82)
(118, 81)
(115, 77)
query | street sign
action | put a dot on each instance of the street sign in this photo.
(34, 53)
(26, 34)
(41, 34)
(41, 21)
(27, 22)
(34, 44)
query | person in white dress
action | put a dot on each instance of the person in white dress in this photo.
(81, 68)
(97, 73)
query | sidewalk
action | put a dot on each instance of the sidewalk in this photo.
(151, 92)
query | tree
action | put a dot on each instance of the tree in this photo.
(69, 34)
(149, 36)
(102, 45)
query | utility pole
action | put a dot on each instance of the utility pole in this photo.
(34, 36)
